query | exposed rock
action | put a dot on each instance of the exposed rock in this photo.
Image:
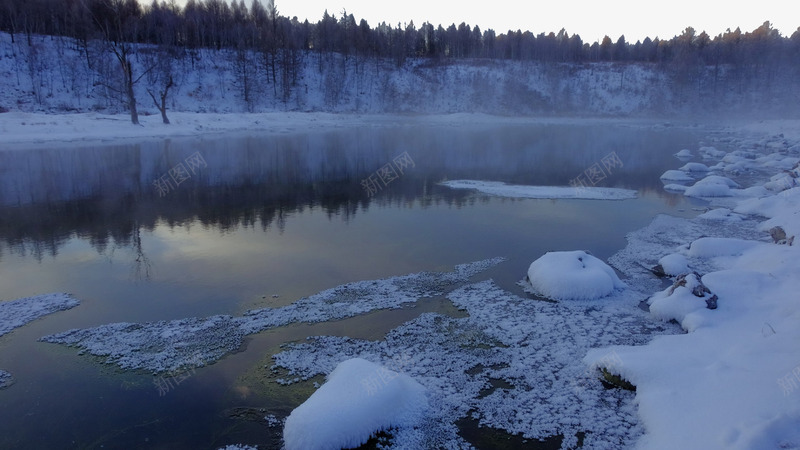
(616, 381)
(779, 236)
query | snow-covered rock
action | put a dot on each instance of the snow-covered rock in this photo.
(684, 154)
(687, 295)
(712, 186)
(674, 187)
(694, 167)
(676, 175)
(358, 399)
(711, 153)
(723, 214)
(574, 275)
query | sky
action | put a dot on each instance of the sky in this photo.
(591, 19)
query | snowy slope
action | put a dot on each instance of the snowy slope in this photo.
(52, 75)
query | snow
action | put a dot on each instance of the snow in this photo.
(676, 175)
(16, 313)
(195, 342)
(500, 189)
(574, 275)
(694, 167)
(358, 399)
(733, 380)
(674, 264)
(684, 154)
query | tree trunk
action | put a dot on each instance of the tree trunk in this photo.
(126, 65)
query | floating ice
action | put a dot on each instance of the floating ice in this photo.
(500, 189)
(358, 399)
(195, 342)
(573, 275)
(16, 313)
(6, 379)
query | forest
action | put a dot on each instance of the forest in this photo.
(218, 24)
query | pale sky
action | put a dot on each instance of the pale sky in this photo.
(591, 19)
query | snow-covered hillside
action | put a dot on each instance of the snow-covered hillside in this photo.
(53, 75)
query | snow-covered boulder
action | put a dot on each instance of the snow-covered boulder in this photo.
(574, 275)
(676, 175)
(359, 399)
(712, 186)
(687, 295)
(694, 167)
(672, 265)
(684, 154)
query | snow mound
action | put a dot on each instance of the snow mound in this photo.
(359, 399)
(574, 275)
(676, 175)
(685, 153)
(694, 167)
(6, 379)
(712, 186)
(674, 264)
(16, 313)
(500, 189)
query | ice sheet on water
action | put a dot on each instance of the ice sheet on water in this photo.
(195, 342)
(500, 189)
(531, 345)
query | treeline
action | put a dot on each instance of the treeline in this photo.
(218, 24)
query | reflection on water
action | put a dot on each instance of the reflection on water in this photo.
(262, 221)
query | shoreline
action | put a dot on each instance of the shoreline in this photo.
(22, 130)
